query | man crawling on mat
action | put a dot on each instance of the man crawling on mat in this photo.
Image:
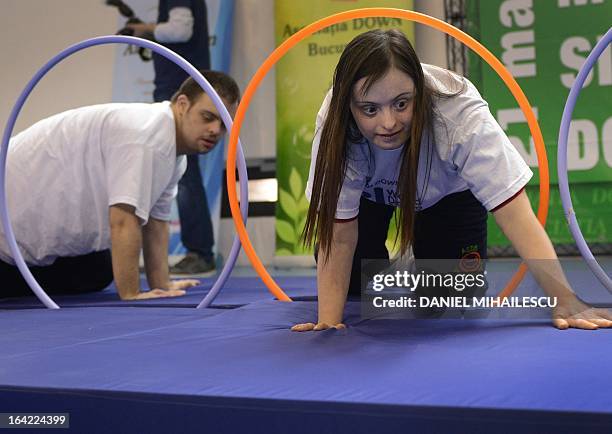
(88, 188)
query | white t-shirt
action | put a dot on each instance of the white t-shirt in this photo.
(65, 171)
(469, 150)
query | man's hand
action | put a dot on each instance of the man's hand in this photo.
(574, 313)
(142, 30)
(182, 284)
(156, 293)
(309, 326)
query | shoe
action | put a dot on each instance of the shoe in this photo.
(193, 265)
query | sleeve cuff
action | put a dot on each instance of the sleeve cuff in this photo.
(140, 213)
(346, 220)
(507, 201)
(509, 194)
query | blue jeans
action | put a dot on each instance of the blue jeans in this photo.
(196, 226)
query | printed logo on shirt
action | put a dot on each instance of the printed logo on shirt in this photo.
(470, 258)
(383, 191)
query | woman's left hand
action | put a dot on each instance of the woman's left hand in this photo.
(571, 312)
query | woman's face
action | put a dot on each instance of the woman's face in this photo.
(384, 114)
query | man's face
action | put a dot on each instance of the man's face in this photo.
(199, 126)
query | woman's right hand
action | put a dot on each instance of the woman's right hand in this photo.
(309, 326)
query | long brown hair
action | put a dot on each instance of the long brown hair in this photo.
(371, 55)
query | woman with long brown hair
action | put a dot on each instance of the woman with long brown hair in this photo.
(395, 133)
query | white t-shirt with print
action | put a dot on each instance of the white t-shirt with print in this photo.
(469, 150)
(65, 171)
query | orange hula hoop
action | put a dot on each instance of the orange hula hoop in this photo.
(435, 23)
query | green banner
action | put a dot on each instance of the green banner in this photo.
(544, 43)
(303, 77)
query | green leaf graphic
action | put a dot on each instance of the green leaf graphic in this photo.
(288, 204)
(301, 225)
(295, 184)
(285, 232)
(303, 205)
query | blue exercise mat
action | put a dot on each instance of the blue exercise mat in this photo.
(243, 370)
(238, 291)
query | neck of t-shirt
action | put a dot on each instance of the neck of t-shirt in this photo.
(379, 149)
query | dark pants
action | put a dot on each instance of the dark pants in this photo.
(196, 226)
(453, 229)
(70, 275)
